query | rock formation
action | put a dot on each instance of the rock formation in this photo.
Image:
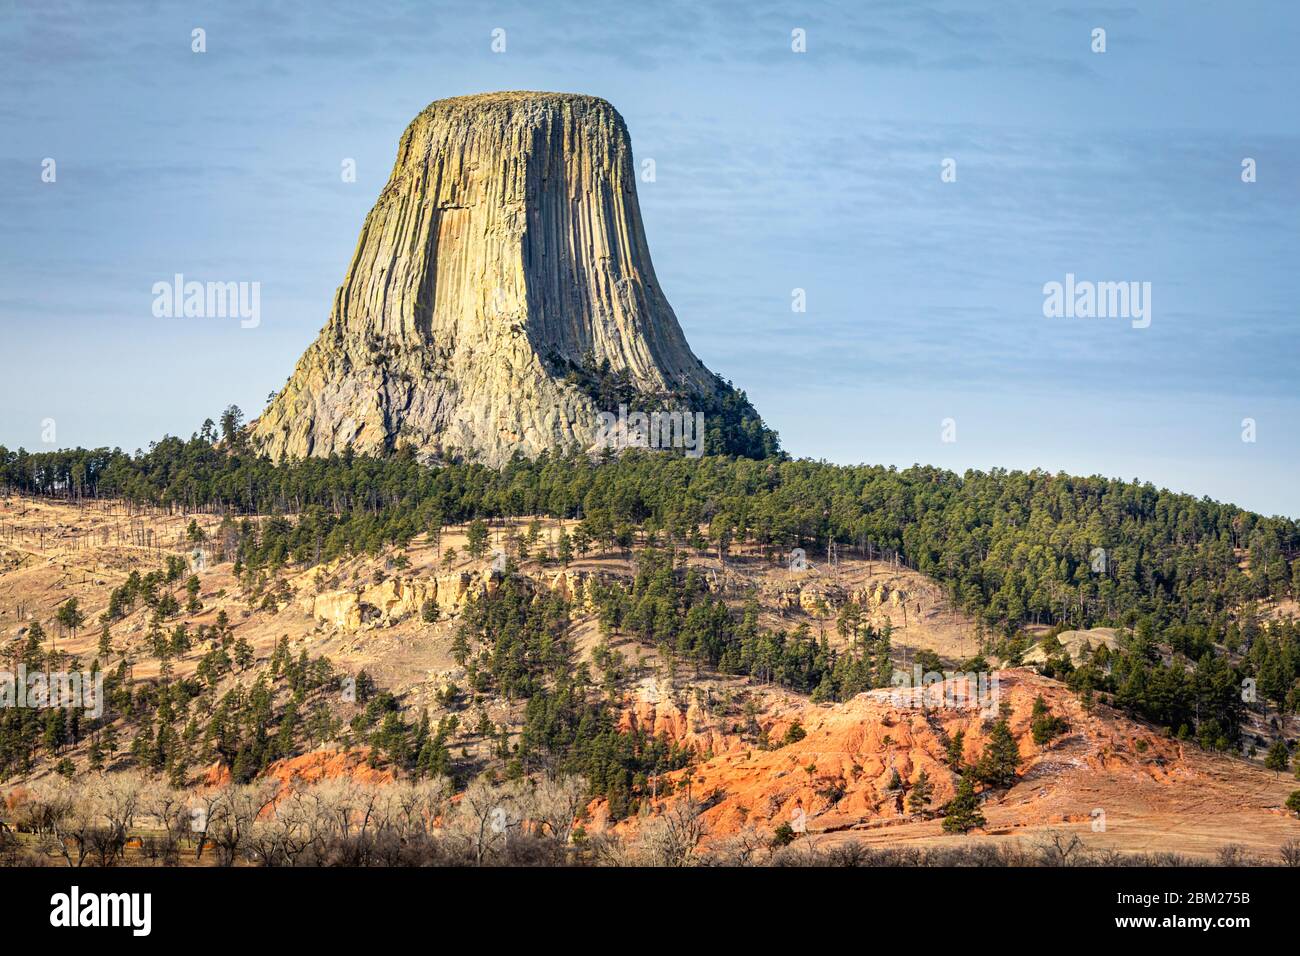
(399, 599)
(840, 773)
(501, 273)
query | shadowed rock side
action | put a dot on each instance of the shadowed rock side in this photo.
(506, 250)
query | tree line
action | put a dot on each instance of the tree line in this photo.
(1011, 547)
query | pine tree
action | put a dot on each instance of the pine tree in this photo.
(142, 747)
(421, 734)
(1279, 757)
(33, 655)
(476, 537)
(109, 741)
(963, 812)
(364, 687)
(581, 540)
(921, 794)
(460, 646)
(176, 775)
(1043, 723)
(955, 749)
(192, 605)
(850, 620)
(321, 725)
(288, 731)
(70, 617)
(998, 765)
(280, 657)
(55, 735)
(232, 423)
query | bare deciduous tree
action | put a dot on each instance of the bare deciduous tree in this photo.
(1057, 848)
(486, 816)
(556, 803)
(239, 808)
(749, 847)
(671, 838)
(58, 809)
(116, 799)
(169, 808)
(204, 806)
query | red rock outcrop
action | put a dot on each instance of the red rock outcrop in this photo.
(840, 773)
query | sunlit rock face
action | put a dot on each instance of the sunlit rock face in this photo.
(506, 248)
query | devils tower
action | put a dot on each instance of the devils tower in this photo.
(500, 297)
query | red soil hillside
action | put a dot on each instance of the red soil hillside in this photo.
(1117, 782)
(314, 767)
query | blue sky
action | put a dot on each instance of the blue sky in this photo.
(774, 171)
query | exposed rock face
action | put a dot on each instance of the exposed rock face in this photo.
(840, 774)
(400, 598)
(395, 599)
(823, 599)
(1074, 644)
(506, 247)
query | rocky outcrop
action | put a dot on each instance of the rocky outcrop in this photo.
(576, 587)
(320, 765)
(395, 599)
(657, 711)
(1077, 645)
(822, 599)
(505, 252)
(400, 598)
(342, 609)
(855, 763)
